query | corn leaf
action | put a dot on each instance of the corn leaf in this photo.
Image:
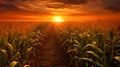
(14, 64)
(117, 58)
(30, 49)
(3, 51)
(90, 60)
(91, 46)
(27, 66)
(77, 42)
(72, 50)
(10, 47)
(93, 54)
(64, 43)
(2, 43)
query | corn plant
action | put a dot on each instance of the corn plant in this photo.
(17, 50)
(36, 39)
(14, 51)
(90, 48)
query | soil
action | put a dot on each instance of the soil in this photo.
(51, 55)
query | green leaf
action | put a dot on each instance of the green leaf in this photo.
(93, 47)
(30, 49)
(3, 51)
(27, 66)
(90, 60)
(77, 42)
(14, 64)
(72, 50)
(93, 54)
(10, 47)
(64, 43)
(2, 43)
(117, 58)
(14, 40)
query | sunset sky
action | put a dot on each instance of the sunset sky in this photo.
(70, 10)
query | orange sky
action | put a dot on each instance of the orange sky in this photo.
(45, 10)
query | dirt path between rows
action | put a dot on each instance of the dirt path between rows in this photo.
(51, 55)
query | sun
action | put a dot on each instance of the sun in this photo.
(58, 19)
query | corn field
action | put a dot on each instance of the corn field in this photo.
(17, 50)
(90, 48)
(81, 46)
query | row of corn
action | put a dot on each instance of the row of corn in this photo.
(91, 48)
(17, 50)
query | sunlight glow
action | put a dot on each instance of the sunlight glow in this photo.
(58, 19)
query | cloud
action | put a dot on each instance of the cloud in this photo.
(55, 5)
(71, 1)
(51, 6)
(10, 5)
(23, 5)
(113, 5)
